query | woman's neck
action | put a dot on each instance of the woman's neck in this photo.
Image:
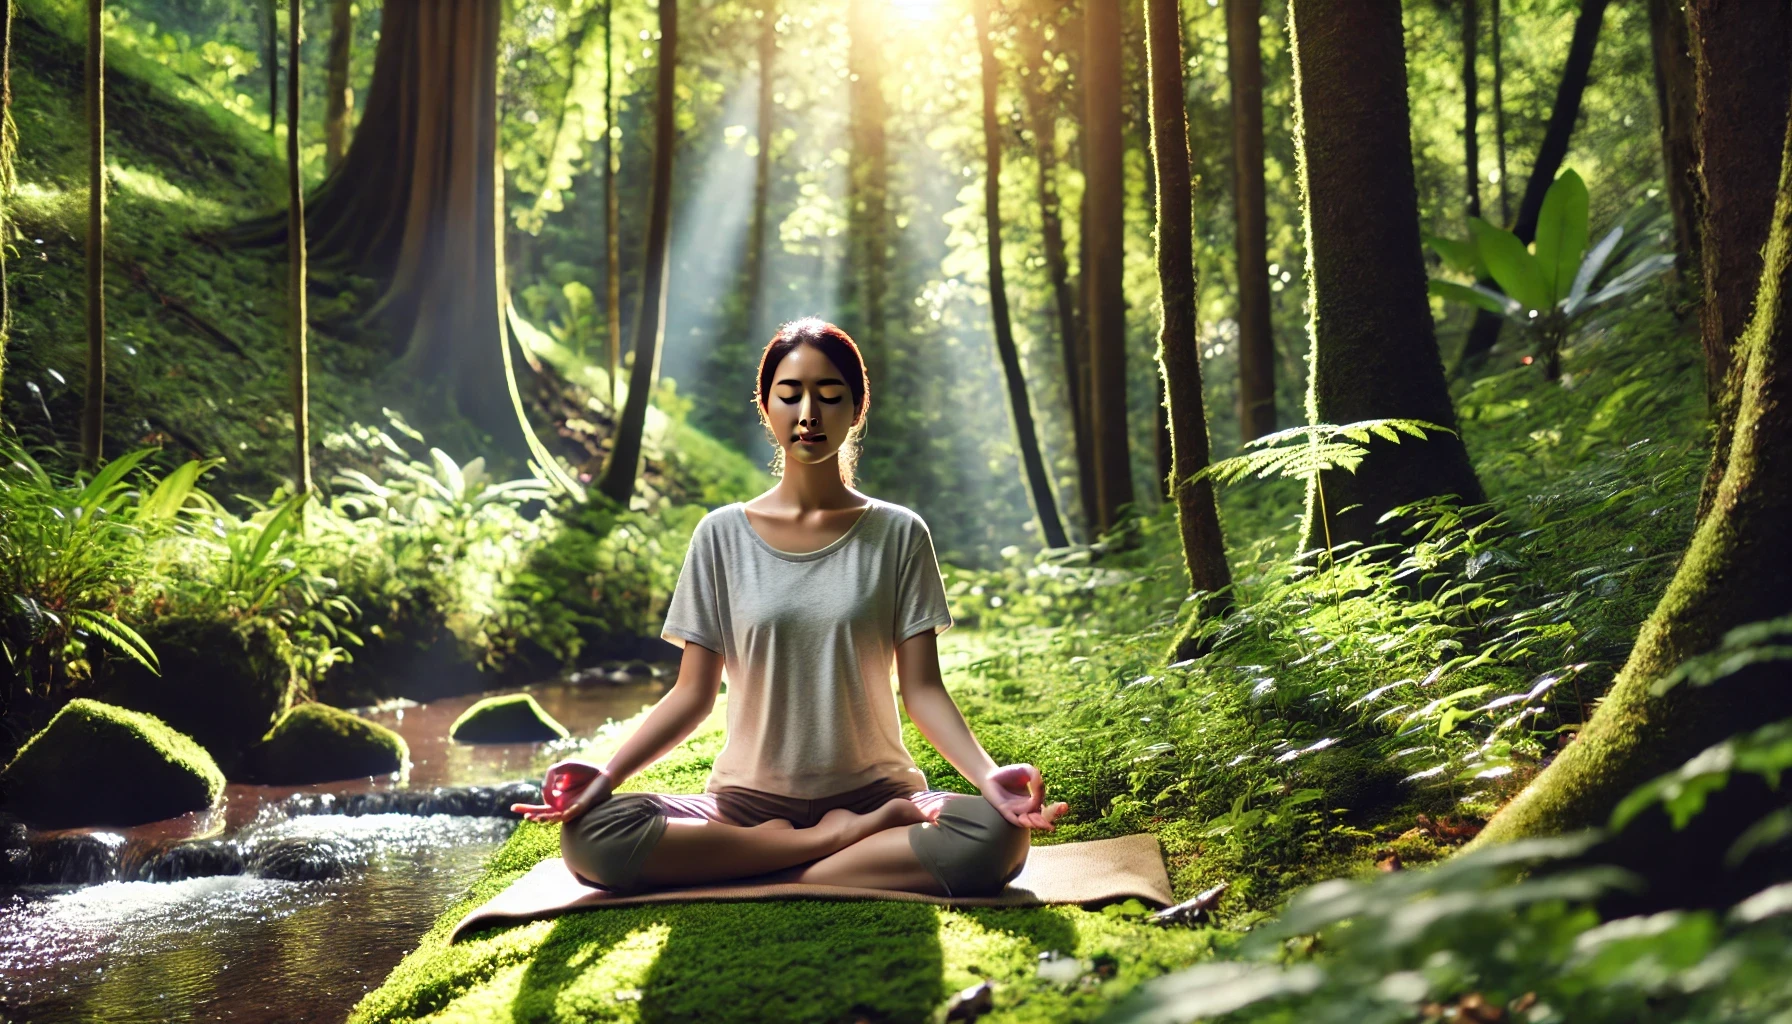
(809, 486)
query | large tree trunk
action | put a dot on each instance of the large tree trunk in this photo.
(612, 214)
(338, 100)
(1256, 342)
(272, 59)
(1039, 483)
(1499, 107)
(93, 410)
(868, 201)
(1042, 117)
(762, 175)
(623, 465)
(295, 259)
(1374, 353)
(1676, 104)
(1486, 328)
(8, 147)
(1178, 348)
(1105, 227)
(1734, 572)
(1742, 55)
(1471, 106)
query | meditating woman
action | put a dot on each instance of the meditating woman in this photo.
(806, 595)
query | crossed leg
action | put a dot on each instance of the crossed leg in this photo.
(693, 851)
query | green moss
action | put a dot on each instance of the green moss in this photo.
(513, 718)
(96, 764)
(319, 743)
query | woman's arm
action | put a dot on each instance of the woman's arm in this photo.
(680, 711)
(1017, 789)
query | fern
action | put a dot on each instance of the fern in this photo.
(1305, 452)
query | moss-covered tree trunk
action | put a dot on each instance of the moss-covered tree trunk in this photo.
(1742, 73)
(1105, 227)
(1256, 342)
(1373, 351)
(1573, 85)
(1178, 347)
(869, 185)
(623, 465)
(8, 148)
(337, 98)
(93, 408)
(1734, 572)
(297, 363)
(762, 174)
(1676, 107)
(1039, 484)
(612, 213)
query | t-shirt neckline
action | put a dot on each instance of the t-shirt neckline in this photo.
(805, 556)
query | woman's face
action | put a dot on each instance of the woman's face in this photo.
(809, 406)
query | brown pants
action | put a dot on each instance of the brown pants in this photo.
(970, 849)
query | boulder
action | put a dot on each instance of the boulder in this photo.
(513, 718)
(96, 764)
(223, 682)
(319, 743)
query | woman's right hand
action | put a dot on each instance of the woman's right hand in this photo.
(595, 792)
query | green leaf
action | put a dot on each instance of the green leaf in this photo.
(106, 480)
(1562, 235)
(121, 636)
(1458, 254)
(1450, 291)
(1516, 271)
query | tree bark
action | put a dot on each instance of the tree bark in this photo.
(273, 63)
(1374, 354)
(1742, 55)
(623, 465)
(1733, 572)
(9, 141)
(338, 100)
(93, 410)
(1499, 107)
(868, 202)
(1039, 483)
(1486, 328)
(612, 214)
(762, 175)
(1471, 106)
(1256, 342)
(1178, 348)
(295, 258)
(1106, 230)
(1676, 102)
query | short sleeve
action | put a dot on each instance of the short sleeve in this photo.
(691, 615)
(920, 593)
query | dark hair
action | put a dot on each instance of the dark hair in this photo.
(843, 352)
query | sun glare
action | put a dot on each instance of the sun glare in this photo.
(917, 10)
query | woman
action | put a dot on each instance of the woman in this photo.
(806, 595)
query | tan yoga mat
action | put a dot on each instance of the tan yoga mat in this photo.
(1098, 871)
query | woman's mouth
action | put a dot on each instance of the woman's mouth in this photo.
(811, 438)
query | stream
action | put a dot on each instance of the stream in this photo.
(284, 903)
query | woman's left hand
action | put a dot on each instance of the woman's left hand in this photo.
(1019, 793)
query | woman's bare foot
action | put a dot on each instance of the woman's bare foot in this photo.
(848, 827)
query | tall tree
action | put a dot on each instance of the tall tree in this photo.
(1497, 38)
(9, 141)
(1256, 342)
(1676, 102)
(1178, 348)
(1373, 352)
(297, 365)
(1105, 228)
(338, 100)
(272, 10)
(1471, 105)
(1733, 572)
(1039, 483)
(93, 410)
(762, 174)
(623, 465)
(612, 212)
(1742, 56)
(1486, 328)
(869, 182)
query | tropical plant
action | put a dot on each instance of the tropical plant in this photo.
(1551, 287)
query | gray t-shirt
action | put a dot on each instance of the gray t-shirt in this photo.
(808, 643)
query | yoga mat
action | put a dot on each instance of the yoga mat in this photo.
(1098, 871)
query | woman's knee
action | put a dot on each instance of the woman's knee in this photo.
(608, 844)
(971, 849)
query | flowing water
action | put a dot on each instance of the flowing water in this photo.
(289, 903)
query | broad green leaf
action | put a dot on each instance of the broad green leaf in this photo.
(1458, 254)
(1590, 268)
(1450, 291)
(1515, 270)
(1562, 234)
(101, 486)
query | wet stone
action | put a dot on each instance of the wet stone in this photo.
(74, 859)
(304, 859)
(204, 858)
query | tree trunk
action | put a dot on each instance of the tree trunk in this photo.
(1256, 342)
(1733, 572)
(93, 410)
(1042, 117)
(273, 63)
(1499, 108)
(1105, 226)
(1084, 379)
(868, 201)
(297, 365)
(1471, 106)
(1178, 349)
(1486, 328)
(1039, 483)
(1676, 102)
(762, 175)
(1742, 55)
(623, 465)
(338, 99)
(9, 141)
(1373, 351)
(612, 214)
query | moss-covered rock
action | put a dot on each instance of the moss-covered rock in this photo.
(96, 764)
(319, 743)
(514, 718)
(223, 682)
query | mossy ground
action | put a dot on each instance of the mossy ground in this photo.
(96, 764)
(319, 743)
